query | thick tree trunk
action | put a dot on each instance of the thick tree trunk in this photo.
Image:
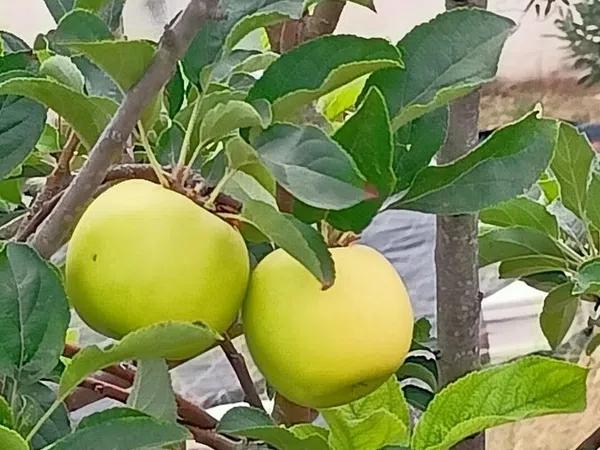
(458, 299)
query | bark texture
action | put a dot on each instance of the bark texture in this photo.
(458, 298)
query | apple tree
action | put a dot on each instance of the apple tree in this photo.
(296, 153)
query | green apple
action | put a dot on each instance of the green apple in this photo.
(142, 254)
(324, 348)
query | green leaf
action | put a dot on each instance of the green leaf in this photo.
(21, 124)
(156, 341)
(255, 424)
(152, 391)
(36, 399)
(528, 265)
(529, 387)
(35, 314)
(571, 167)
(11, 440)
(272, 12)
(334, 104)
(19, 61)
(320, 66)
(242, 17)
(87, 115)
(124, 61)
(379, 419)
(175, 92)
(11, 43)
(227, 117)
(242, 156)
(560, 307)
(367, 137)
(62, 69)
(523, 212)
(107, 431)
(588, 278)
(500, 168)
(97, 82)
(546, 281)
(418, 372)
(6, 414)
(416, 143)
(110, 11)
(58, 8)
(311, 166)
(517, 243)
(301, 241)
(466, 45)
(592, 205)
(592, 345)
(169, 144)
(79, 26)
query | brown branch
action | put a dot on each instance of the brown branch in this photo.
(592, 442)
(189, 413)
(10, 228)
(132, 170)
(29, 226)
(236, 359)
(201, 435)
(174, 42)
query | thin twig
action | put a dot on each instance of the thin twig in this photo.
(212, 439)
(175, 41)
(30, 225)
(236, 359)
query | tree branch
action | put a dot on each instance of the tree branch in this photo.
(236, 359)
(203, 436)
(187, 411)
(175, 41)
(456, 262)
(592, 442)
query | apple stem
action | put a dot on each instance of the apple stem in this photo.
(238, 363)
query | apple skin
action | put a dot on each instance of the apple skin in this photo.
(324, 348)
(142, 254)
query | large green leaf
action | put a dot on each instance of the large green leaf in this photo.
(529, 387)
(500, 168)
(255, 424)
(416, 143)
(367, 138)
(592, 205)
(445, 58)
(588, 278)
(34, 314)
(152, 391)
(312, 166)
(36, 399)
(381, 418)
(523, 212)
(115, 430)
(560, 307)
(87, 115)
(124, 61)
(156, 341)
(340, 100)
(320, 66)
(298, 239)
(21, 125)
(11, 440)
(19, 61)
(571, 167)
(518, 243)
(6, 414)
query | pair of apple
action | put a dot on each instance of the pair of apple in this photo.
(142, 254)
